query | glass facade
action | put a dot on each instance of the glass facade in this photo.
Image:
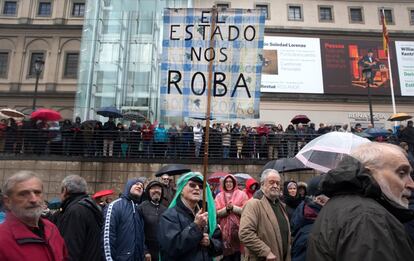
(120, 56)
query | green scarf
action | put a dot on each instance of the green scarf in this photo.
(211, 208)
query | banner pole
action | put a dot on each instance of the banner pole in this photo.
(208, 109)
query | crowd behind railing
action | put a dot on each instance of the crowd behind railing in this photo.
(95, 139)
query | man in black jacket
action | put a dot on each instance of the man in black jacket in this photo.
(151, 210)
(80, 220)
(369, 202)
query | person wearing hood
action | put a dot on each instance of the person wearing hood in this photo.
(229, 204)
(151, 210)
(251, 187)
(80, 220)
(290, 197)
(368, 203)
(123, 231)
(160, 141)
(304, 217)
(185, 231)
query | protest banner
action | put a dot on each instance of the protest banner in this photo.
(236, 62)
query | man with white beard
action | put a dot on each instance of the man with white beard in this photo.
(151, 210)
(369, 202)
(24, 234)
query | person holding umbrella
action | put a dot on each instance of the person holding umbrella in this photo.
(110, 133)
(185, 231)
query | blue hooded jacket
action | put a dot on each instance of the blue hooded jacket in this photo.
(123, 231)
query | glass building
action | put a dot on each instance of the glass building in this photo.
(120, 56)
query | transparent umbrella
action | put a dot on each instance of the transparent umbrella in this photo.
(325, 152)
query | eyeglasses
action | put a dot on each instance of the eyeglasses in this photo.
(195, 185)
(165, 178)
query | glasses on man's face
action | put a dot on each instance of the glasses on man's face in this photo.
(165, 179)
(195, 185)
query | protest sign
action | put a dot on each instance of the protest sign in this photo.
(237, 62)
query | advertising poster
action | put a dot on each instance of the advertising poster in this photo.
(405, 60)
(292, 65)
(237, 63)
(346, 63)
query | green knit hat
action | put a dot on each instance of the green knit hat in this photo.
(211, 208)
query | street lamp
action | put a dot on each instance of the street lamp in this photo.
(367, 72)
(38, 68)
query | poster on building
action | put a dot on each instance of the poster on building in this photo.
(292, 65)
(237, 63)
(345, 61)
(405, 61)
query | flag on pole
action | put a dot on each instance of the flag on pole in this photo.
(385, 37)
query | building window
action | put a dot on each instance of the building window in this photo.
(355, 15)
(412, 16)
(71, 65)
(4, 61)
(389, 17)
(325, 14)
(10, 8)
(222, 5)
(295, 13)
(33, 58)
(78, 9)
(45, 9)
(264, 8)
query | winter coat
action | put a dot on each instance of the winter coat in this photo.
(358, 222)
(301, 222)
(259, 230)
(147, 132)
(180, 237)
(151, 214)
(110, 130)
(18, 242)
(230, 220)
(123, 231)
(409, 226)
(80, 223)
(161, 135)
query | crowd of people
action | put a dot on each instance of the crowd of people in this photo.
(362, 210)
(153, 140)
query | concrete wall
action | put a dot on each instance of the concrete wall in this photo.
(112, 175)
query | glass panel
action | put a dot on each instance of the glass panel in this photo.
(356, 14)
(45, 9)
(295, 13)
(388, 16)
(71, 65)
(325, 14)
(264, 8)
(78, 9)
(10, 8)
(4, 60)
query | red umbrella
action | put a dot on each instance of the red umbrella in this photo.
(216, 176)
(103, 193)
(300, 119)
(46, 115)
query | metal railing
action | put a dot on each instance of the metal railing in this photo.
(135, 144)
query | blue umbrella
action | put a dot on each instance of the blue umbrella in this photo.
(377, 132)
(111, 112)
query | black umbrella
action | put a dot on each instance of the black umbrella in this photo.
(110, 112)
(172, 169)
(285, 165)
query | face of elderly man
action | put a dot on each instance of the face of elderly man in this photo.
(394, 177)
(26, 199)
(192, 191)
(271, 185)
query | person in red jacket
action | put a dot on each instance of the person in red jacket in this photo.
(24, 234)
(251, 187)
